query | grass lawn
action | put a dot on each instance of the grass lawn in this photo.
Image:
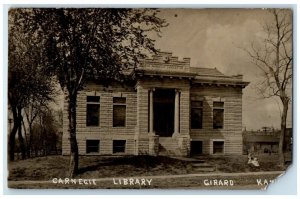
(237, 163)
(45, 168)
(95, 167)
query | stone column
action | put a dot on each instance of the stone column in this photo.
(176, 114)
(151, 115)
(153, 139)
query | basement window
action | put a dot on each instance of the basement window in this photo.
(218, 147)
(119, 146)
(92, 146)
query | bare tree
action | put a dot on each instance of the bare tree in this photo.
(273, 56)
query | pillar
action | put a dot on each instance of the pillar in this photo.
(151, 115)
(153, 139)
(176, 114)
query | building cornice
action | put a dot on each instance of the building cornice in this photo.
(142, 72)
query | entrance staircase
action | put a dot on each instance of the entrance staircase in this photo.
(199, 164)
(168, 146)
(203, 167)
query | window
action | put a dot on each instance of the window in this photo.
(196, 114)
(119, 111)
(218, 115)
(92, 110)
(119, 146)
(218, 147)
(196, 147)
(92, 146)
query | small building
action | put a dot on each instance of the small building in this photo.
(266, 141)
(169, 108)
(261, 144)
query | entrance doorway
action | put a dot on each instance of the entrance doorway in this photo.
(196, 147)
(163, 105)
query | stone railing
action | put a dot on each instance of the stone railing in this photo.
(165, 61)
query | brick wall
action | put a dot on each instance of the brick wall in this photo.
(105, 132)
(232, 130)
(137, 126)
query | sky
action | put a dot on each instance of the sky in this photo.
(214, 38)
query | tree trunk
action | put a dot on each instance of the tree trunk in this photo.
(282, 133)
(20, 136)
(29, 147)
(44, 135)
(26, 139)
(11, 144)
(36, 152)
(12, 135)
(72, 130)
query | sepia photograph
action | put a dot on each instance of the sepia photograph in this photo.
(149, 98)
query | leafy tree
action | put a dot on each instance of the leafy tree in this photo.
(91, 44)
(274, 58)
(26, 77)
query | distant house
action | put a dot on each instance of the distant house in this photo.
(168, 108)
(266, 141)
(261, 144)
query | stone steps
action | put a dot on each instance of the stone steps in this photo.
(202, 166)
(190, 160)
(200, 169)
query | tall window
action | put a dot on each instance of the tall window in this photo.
(218, 115)
(92, 110)
(119, 111)
(196, 114)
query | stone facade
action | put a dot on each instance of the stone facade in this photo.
(142, 132)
